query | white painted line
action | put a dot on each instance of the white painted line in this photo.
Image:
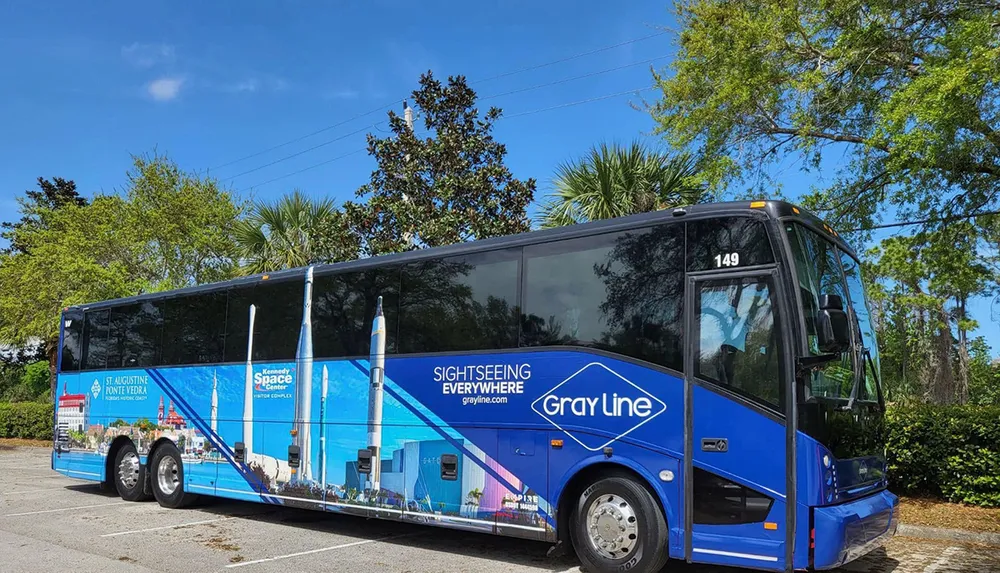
(311, 552)
(179, 526)
(88, 474)
(732, 554)
(944, 560)
(66, 509)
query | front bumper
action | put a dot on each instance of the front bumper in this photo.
(847, 531)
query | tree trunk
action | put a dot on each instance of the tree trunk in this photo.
(962, 382)
(941, 375)
(52, 352)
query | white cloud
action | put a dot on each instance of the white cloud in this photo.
(249, 85)
(164, 89)
(147, 55)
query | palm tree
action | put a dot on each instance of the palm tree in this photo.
(294, 231)
(614, 180)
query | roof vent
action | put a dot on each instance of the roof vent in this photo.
(679, 212)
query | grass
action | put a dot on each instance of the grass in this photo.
(937, 513)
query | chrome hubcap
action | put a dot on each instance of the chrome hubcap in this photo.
(167, 477)
(612, 526)
(128, 470)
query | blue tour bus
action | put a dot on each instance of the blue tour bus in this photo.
(700, 384)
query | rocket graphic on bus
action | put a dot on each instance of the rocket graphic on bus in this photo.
(376, 373)
(301, 437)
(248, 389)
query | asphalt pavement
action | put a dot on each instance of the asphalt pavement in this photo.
(52, 523)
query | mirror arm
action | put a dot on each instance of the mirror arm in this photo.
(805, 364)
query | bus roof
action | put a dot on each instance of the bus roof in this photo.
(766, 209)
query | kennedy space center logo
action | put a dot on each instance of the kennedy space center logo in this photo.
(597, 397)
(272, 379)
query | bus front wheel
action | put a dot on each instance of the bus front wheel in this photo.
(168, 478)
(617, 526)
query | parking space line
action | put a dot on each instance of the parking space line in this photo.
(321, 550)
(66, 509)
(178, 526)
(944, 560)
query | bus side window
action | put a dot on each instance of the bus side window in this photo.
(737, 343)
(720, 244)
(460, 303)
(72, 341)
(95, 340)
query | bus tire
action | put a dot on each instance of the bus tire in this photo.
(617, 526)
(130, 474)
(167, 478)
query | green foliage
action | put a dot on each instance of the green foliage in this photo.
(26, 420)
(904, 95)
(614, 180)
(448, 187)
(920, 296)
(947, 451)
(294, 232)
(166, 230)
(36, 377)
(36, 204)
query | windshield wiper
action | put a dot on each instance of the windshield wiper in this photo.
(859, 373)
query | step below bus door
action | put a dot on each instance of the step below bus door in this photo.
(735, 437)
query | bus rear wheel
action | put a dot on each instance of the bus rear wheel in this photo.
(168, 478)
(130, 475)
(617, 526)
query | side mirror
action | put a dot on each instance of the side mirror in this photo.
(831, 325)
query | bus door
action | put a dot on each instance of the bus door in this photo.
(735, 465)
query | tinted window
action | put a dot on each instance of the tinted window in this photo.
(727, 243)
(462, 303)
(819, 272)
(718, 501)
(194, 328)
(737, 341)
(344, 307)
(135, 336)
(72, 341)
(621, 292)
(858, 309)
(277, 322)
(95, 340)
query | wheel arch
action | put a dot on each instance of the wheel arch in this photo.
(152, 451)
(592, 469)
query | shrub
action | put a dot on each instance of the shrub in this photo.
(947, 451)
(28, 420)
(37, 377)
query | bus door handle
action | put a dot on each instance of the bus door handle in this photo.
(714, 445)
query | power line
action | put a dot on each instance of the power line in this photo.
(306, 136)
(583, 101)
(534, 111)
(562, 81)
(567, 59)
(307, 150)
(394, 102)
(925, 221)
(320, 164)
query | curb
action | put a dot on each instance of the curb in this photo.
(926, 532)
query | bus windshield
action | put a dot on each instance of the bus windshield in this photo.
(822, 268)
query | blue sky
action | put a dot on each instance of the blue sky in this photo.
(86, 85)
